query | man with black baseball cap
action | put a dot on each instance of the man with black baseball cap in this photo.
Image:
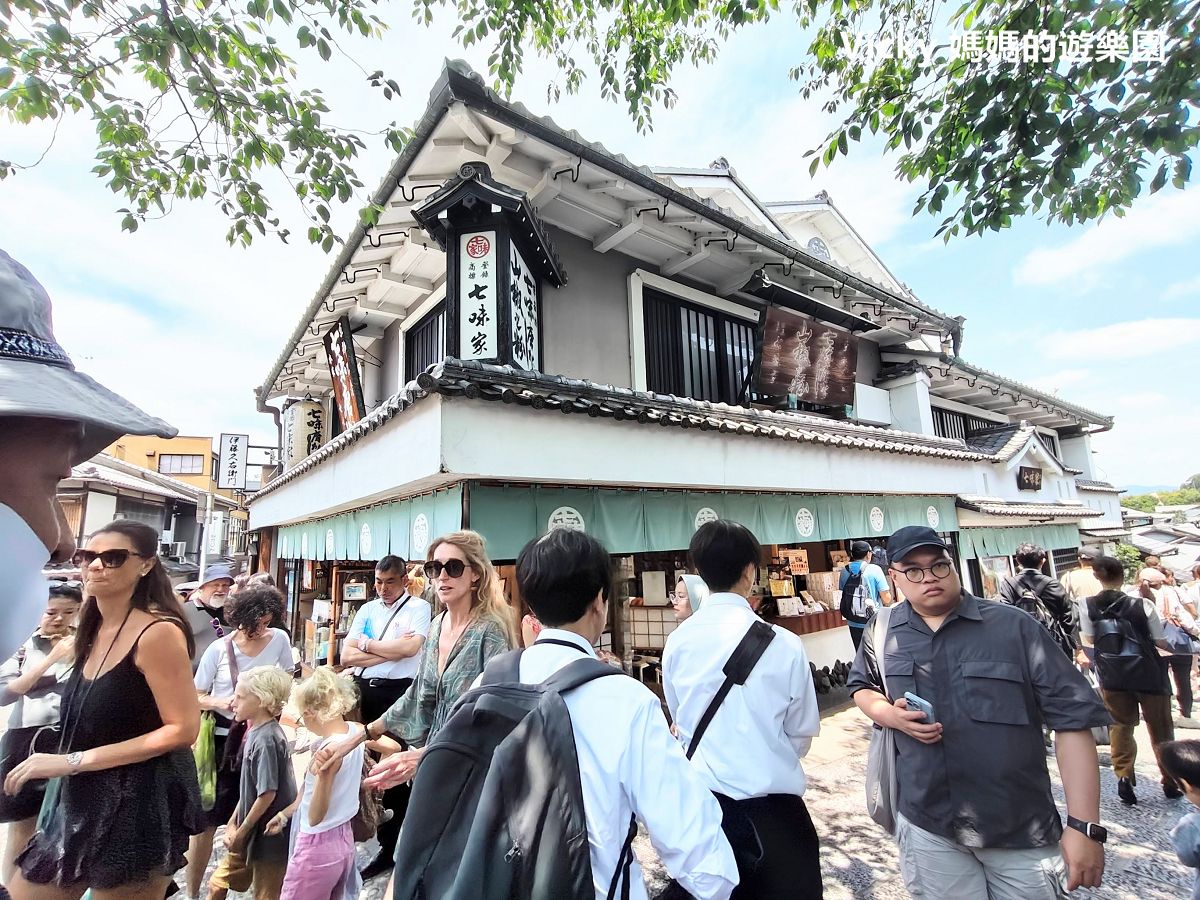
(976, 816)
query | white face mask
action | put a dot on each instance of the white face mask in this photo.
(23, 588)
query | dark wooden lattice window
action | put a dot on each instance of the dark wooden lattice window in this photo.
(696, 352)
(425, 343)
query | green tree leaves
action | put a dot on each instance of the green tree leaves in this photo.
(997, 137)
(193, 99)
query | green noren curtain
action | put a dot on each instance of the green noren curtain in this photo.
(620, 521)
(506, 518)
(983, 542)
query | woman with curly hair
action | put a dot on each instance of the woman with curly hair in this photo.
(475, 625)
(253, 643)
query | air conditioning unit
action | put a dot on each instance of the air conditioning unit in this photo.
(175, 550)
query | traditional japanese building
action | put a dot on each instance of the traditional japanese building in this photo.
(540, 333)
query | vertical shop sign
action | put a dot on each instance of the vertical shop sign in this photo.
(303, 431)
(343, 369)
(477, 296)
(523, 302)
(231, 461)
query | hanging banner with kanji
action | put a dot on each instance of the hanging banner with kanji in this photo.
(523, 298)
(231, 474)
(478, 309)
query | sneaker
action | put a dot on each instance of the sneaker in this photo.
(1171, 790)
(1125, 791)
(1187, 722)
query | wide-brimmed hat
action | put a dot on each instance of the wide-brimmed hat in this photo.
(38, 380)
(215, 573)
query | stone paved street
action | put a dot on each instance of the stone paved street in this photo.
(859, 862)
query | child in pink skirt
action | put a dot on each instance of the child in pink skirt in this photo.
(322, 864)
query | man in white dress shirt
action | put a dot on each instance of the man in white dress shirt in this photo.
(628, 761)
(749, 755)
(385, 642)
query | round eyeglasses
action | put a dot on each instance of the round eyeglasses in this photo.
(916, 574)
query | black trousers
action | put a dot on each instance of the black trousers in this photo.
(856, 635)
(377, 695)
(1181, 671)
(776, 847)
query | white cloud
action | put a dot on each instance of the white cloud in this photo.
(1123, 340)
(1182, 289)
(1056, 381)
(1163, 220)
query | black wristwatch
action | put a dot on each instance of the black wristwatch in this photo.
(1097, 833)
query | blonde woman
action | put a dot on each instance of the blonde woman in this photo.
(475, 625)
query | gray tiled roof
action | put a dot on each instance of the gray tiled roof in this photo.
(478, 381)
(1087, 485)
(997, 440)
(994, 506)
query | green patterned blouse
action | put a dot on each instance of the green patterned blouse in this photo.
(425, 706)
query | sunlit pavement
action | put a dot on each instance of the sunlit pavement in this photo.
(859, 860)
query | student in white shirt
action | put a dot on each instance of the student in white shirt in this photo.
(749, 755)
(385, 642)
(628, 761)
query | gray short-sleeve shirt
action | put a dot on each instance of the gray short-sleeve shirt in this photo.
(994, 675)
(266, 766)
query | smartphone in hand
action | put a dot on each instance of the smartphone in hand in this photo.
(921, 705)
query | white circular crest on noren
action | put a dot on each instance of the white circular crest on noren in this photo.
(705, 515)
(567, 517)
(876, 518)
(329, 551)
(806, 522)
(304, 545)
(420, 535)
(933, 517)
(364, 541)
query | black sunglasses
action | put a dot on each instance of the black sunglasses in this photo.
(110, 559)
(452, 567)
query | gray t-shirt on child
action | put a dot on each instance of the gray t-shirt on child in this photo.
(266, 766)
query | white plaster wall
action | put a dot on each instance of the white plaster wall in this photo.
(401, 452)
(1109, 504)
(101, 509)
(495, 440)
(1077, 453)
(824, 648)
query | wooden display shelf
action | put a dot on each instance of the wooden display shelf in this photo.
(811, 623)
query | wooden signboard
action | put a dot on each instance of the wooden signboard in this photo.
(807, 359)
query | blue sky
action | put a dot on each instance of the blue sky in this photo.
(1107, 315)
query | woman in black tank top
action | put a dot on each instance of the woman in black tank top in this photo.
(127, 799)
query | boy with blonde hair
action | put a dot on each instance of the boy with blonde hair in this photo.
(255, 858)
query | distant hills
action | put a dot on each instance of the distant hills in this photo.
(1149, 488)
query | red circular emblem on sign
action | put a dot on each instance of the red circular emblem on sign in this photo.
(478, 246)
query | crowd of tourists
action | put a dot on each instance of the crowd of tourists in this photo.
(480, 753)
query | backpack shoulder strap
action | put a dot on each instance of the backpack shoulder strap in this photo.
(883, 618)
(579, 672)
(737, 669)
(503, 669)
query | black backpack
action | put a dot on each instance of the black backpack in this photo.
(497, 804)
(1017, 592)
(1126, 658)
